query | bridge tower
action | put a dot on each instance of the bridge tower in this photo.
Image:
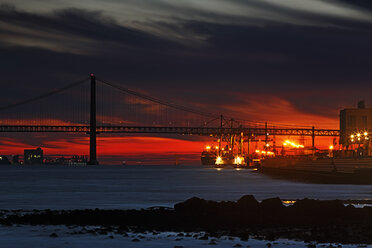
(93, 123)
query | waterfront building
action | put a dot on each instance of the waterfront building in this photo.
(33, 156)
(356, 127)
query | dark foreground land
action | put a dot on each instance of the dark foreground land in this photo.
(308, 220)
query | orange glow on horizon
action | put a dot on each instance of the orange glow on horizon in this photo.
(115, 146)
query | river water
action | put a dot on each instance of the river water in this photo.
(141, 186)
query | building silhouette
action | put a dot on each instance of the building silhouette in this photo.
(356, 126)
(4, 160)
(33, 156)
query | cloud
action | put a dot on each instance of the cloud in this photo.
(271, 58)
(72, 30)
(278, 111)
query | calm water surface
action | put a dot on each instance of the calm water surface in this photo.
(137, 186)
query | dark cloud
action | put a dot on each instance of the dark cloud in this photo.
(72, 30)
(329, 62)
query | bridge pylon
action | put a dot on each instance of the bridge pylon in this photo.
(93, 123)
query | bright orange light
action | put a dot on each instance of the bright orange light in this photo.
(238, 160)
(331, 147)
(358, 135)
(219, 160)
(207, 147)
(365, 134)
(294, 145)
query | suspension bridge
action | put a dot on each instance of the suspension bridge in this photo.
(134, 113)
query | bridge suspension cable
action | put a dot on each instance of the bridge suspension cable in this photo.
(158, 101)
(227, 118)
(45, 95)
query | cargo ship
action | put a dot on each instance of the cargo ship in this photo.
(221, 158)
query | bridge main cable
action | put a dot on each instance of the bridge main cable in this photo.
(156, 100)
(36, 98)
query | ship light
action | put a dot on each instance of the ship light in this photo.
(331, 147)
(219, 160)
(207, 147)
(238, 160)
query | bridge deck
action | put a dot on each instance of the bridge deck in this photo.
(173, 130)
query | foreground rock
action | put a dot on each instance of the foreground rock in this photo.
(308, 220)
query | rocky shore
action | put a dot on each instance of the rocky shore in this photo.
(307, 220)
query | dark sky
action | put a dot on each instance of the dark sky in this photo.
(290, 61)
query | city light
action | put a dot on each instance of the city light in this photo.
(207, 147)
(265, 152)
(331, 147)
(359, 136)
(290, 143)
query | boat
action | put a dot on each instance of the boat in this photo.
(220, 159)
(209, 155)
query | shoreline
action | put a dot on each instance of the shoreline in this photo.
(307, 220)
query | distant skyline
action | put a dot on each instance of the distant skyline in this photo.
(288, 61)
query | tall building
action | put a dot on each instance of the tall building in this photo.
(356, 125)
(33, 156)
